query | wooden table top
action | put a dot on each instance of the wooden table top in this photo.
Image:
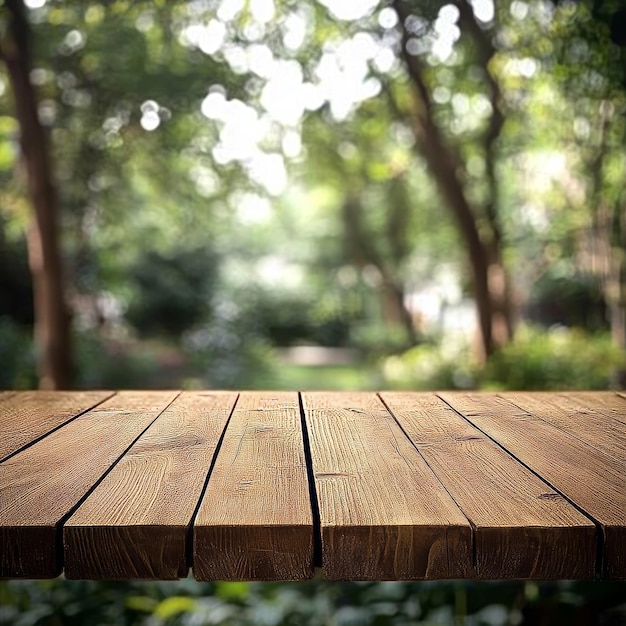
(279, 485)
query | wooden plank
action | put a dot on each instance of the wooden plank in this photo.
(522, 527)
(593, 481)
(40, 485)
(255, 521)
(578, 418)
(384, 515)
(605, 402)
(135, 524)
(26, 416)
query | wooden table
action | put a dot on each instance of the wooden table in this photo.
(277, 485)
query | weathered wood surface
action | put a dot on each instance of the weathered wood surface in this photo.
(383, 513)
(593, 481)
(149, 498)
(599, 426)
(522, 527)
(269, 486)
(255, 520)
(42, 484)
(28, 415)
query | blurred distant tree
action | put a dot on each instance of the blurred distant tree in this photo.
(172, 292)
(375, 207)
(326, 150)
(480, 225)
(118, 114)
(589, 63)
(122, 104)
(52, 320)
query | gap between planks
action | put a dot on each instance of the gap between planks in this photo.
(609, 563)
(34, 549)
(309, 471)
(522, 528)
(28, 418)
(143, 535)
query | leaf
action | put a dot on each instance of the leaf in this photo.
(141, 603)
(232, 591)
(174, 605)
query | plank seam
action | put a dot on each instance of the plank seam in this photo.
(599, 565)
(603, 411)
(315, 509)
(71, 419)
(563, 430)
(218, 447)
(472, 525)
(61, 522)
(7, 394)
(600, 534)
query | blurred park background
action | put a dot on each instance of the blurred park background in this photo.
(317, 194)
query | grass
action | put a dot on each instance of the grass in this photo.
(321, 377)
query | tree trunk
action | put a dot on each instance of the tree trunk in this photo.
(443, 164)
(606, 239)
(503, 326)
(362, 251)
(52, 322)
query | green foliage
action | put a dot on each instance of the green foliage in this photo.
(560, 298)
(431, 366)
(16, 355)
(106, 364)
(228, 353)
(171, 292)
(556, 359)
(377, 339)
(188, 603)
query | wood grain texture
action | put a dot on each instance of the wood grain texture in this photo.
(605, 402)
(592, 480)
(384, 514)
(135, 524)
(255, 521)
(28, 415)
(522, 527)
(40, 485)
(577, 418)
(6, 394)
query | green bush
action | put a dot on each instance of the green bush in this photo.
(228, 353)
(16, 356)
(171, 293)
(560, 358)
(111, 365)
(430, 366)
(189, 603)
(378, 338)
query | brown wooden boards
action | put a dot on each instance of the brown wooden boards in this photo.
(384, 515)
(606, 402)
(577, 418)
(255, 520)
(592, 480)
(449, 485)
(40, 485)
(27, 415)
(522, 527)
(135, 523)
(5, 395)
